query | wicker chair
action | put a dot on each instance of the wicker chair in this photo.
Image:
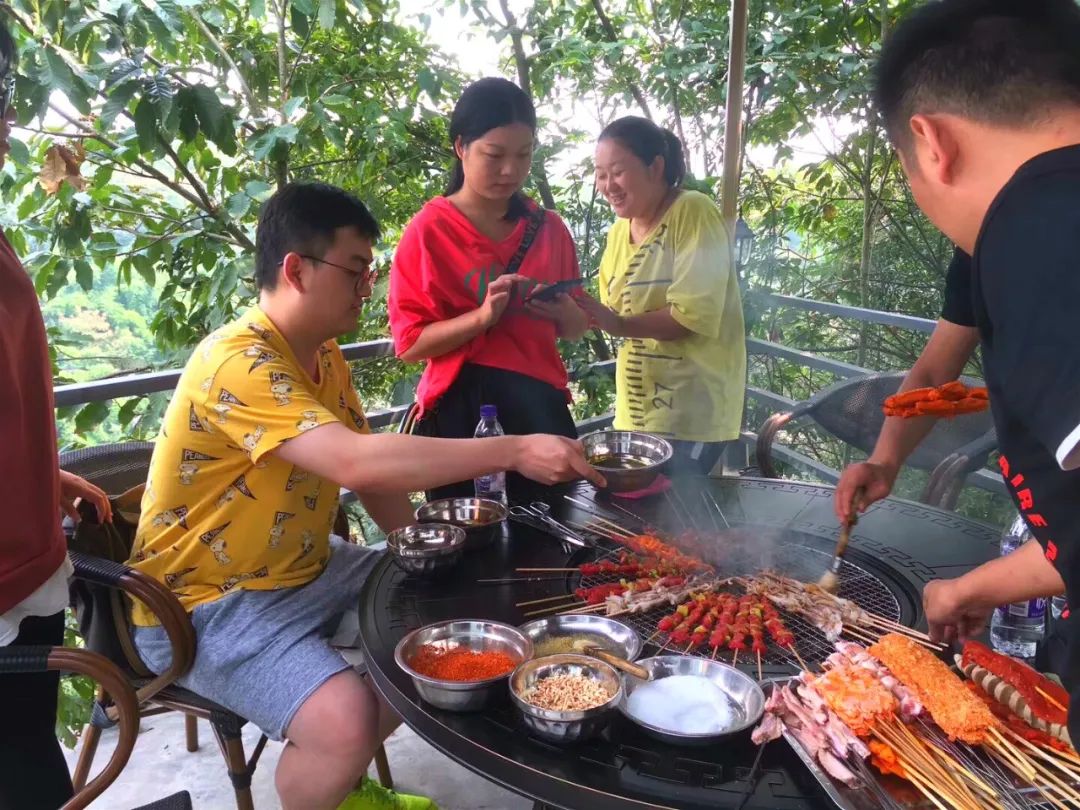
(121, 469)
(25, 659)
(851, 411)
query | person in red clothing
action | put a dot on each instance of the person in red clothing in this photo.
(484, 337)
(34, 566)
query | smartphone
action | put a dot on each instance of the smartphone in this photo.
(549, 293)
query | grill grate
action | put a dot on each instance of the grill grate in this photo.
(793, 560)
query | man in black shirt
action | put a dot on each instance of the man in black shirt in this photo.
(982, 102)
(942, 360)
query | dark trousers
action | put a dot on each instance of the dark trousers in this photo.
(525, 404)
(695, 458)
(33, 774)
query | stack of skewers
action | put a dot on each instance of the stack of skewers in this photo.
(898, 707)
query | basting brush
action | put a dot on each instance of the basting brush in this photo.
(830, 580)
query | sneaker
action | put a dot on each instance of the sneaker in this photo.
(370, 795)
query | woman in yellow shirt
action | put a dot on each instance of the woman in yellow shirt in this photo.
(668, 287)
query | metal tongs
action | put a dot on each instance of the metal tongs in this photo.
(536, 514)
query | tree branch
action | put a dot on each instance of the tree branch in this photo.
(613, 36)
(245, 88)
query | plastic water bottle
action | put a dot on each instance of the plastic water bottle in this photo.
(1057, 606)
(493, 485)
(1016, 629)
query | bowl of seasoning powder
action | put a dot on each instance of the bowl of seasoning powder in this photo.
(462, 665)
(565, 698)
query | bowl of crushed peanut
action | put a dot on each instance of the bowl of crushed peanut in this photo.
(565, 698)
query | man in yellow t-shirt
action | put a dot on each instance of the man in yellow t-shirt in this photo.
(263, 429)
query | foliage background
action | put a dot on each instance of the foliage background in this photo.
(151, 131)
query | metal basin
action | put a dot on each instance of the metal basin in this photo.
(627, 459)
(621, 639)
(426, 549)
(479, 517)
(565, 727)
(472, 634)
(745, 696)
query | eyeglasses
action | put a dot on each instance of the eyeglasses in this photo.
(360, 277)
(7, 94)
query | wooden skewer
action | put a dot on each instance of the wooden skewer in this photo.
(588, 508)
(735, 658)
(1069, 793)
(715, 650)
(650, 638)
(1068, 756)
(899, 628)
(799, 658)
(860, 634)
(1050, 699)
(563, 596)
(911, 760)
(759, 677)
(553, 609)
(1058, 763)
(915, 752)
(546, 570)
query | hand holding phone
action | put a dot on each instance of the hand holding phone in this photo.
(549, 292)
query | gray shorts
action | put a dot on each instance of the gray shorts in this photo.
(261, 654)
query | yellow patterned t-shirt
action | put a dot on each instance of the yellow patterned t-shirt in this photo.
(691, 388)
(220, 510)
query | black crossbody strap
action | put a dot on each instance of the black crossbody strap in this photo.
(532, 227)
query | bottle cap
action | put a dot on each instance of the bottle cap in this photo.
(488, 412)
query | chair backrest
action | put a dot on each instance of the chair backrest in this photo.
(120, 470)
(115, 468)
(851, 410)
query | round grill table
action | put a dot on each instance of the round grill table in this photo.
(896, 548)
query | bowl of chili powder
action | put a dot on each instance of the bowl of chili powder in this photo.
(462, 665)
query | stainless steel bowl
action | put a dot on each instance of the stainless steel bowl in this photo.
(622, 640)
(426, 549)
(565, 727)
(627, 459)
(472, 634)
(747, 699)
(480, 518)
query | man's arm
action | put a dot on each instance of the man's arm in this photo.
(389, 511)
(393, 463)
(958, 608)
(943, 360)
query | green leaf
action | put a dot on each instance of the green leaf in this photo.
(305, 7)
(122, 71)
(266, 143)
(20, 155)
(214, 119)
(62, 78)
(188, 124)
(117, 102)
(327, 13)
(144, 266)
(258, 9)
(292, 105)
(160, 89)
(258, 190)
(84, 274)
(428, 82)
(237, 205)
(146, 120)
(90, 416)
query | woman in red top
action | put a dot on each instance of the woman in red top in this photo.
(453, 304)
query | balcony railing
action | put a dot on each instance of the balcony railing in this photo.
(148, 383)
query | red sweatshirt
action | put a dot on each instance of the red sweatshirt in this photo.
(442, 268)
(31, 541)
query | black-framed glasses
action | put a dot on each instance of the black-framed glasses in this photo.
(360, 276)
(7, 93)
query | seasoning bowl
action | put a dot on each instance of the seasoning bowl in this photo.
(470, 634)
(746, 700)
(426, 549)
(478, 517)
(628, 459)
(621, 639)
(565, 726)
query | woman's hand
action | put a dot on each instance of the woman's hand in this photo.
(497, 298)
(73, 488)
(600, 316)
(570, 321)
